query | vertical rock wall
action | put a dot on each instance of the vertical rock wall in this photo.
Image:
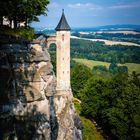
(69, 123)
(30, 106)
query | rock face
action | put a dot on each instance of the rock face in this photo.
(30, 106)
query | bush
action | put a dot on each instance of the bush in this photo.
(123, 69)
(99, 68)
(113, 68)
(27, 33)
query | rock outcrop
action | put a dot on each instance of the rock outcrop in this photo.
(30, 106)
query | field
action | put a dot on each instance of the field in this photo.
(91, 63)
(112, 32)
(109, 42)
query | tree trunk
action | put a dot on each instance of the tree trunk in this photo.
(10, 23)
(1, 20)
(15, 23)
(26, 22)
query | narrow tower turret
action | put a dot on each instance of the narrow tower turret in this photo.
(63, 54)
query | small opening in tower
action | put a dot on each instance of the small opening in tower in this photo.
(63, 37)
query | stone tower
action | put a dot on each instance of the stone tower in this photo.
(63, 54)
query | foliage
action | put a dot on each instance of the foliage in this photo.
(91, 63)
(99, 68)
(90, 98)
(22, 10)
(79, 76)
(113, 68)
(89, 131)
(123, 69)
(115, 104)
(27, 33)
(52, 51)
(101, 52)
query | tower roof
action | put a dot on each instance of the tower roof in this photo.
(63, 24)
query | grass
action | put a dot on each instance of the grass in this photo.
(89, 131)
(91, 63)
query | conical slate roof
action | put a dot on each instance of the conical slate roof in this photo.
(63, 24)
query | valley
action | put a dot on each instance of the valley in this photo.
(108, 42)
(105, 77)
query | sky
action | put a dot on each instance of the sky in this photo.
(91, 13)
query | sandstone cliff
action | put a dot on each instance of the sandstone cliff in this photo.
(30, 107)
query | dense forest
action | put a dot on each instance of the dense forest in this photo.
(112, 101)
(101, 52)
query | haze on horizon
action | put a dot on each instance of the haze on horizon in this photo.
(91, 13)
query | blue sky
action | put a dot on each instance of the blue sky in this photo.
(90, 13)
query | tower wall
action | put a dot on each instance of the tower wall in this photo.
(63, 60)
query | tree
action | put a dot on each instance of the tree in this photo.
(3, 10)
(113, 68)
(115, 105)
(23, 10)
(91, 97)
(99, 68)
(123, 69)
(79, 76)
(136, 78)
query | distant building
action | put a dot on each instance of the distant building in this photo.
(7, 22)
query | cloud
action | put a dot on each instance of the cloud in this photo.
(53, 5)
(89, 6)
(125, 6)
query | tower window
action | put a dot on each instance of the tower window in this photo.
(63, 37)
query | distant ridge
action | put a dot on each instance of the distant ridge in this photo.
(110, 27)
(126, 27)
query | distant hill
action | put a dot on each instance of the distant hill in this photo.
(126, 27)
(110, 27)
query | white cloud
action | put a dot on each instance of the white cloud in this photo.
(125, 6)
(87, 6)
(53, 5)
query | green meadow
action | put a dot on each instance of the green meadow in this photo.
(91, 63)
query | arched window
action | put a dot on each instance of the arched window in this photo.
(52, 51)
